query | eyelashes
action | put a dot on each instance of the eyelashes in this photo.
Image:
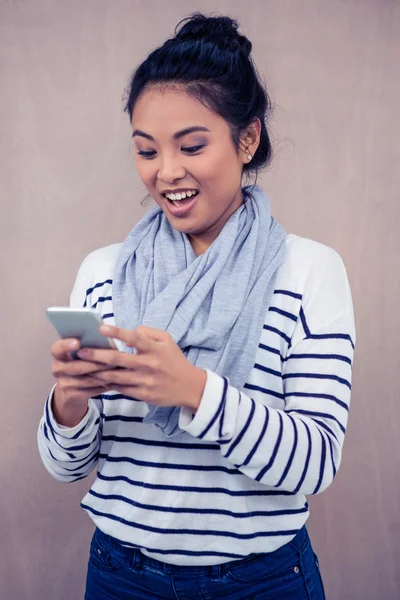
(188, 149)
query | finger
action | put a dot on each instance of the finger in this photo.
(62, 349)
(75, 368)
(81, 382)
(113, 358)
(133, 339)
(119, 377)
(157, 335)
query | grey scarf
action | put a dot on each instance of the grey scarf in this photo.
(213, 305)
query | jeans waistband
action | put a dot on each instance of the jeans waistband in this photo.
(135, 556)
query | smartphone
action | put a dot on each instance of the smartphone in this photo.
(80, 323)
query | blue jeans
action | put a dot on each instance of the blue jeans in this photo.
(119, 573)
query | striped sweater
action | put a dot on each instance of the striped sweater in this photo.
(236, 481)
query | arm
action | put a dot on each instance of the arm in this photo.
(70, 452)
(297, 449)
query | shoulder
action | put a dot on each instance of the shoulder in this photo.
(307, 262)
(316, 273)
(101, 262)
(96, 271)
(309, 255)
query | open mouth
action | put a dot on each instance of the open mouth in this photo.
(182, 198)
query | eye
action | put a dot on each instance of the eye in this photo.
(147, 154)
(193, 149)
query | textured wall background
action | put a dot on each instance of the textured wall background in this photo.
(68, 185)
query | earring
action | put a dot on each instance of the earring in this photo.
(249, 157)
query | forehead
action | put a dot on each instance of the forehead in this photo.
(164, 111)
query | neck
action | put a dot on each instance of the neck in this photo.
(202, 241)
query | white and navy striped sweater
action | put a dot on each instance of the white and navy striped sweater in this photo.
(235, 482)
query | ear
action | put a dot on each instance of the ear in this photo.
(249, 140)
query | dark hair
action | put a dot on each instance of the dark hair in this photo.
(212, 59)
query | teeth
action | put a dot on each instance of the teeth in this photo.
(181, 195)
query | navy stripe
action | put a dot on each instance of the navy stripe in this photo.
(107, 316)
(323, 336)
(173, 466)
(122, 418)
(260, 437)
(163, 444)
(221, 421)
(275, 451)
(52, 455)
(95, 451)
(307, 459)
(318, 414)
(287, 293)
(270, 349)
(90, 290)
(327, 428)
(244, 429)
(200, 511)
(304, 322)
(258, 388)
(53, 433)
(74, 437)
(321, 356)
(267, 370)
(333, 336)
(113, 397)
(289, 462)
(275, 330)
(322, 464)
(322, 396)
(92, 459)
(332, 459)
(45, 431)
(101, 299)
(317, 376)
(199, 532)
(191, 488)
(219, 409)
(186, 552)
(284, 313)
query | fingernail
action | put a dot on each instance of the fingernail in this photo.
(73, 344)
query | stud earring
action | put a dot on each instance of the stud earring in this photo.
(249, 157)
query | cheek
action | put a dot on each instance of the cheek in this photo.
(146, 170)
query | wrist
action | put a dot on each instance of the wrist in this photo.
(67, 414)
(197, 383)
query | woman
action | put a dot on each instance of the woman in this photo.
(229, 404)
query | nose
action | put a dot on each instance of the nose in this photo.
(170, 169)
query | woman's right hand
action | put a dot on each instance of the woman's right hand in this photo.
(75, 383)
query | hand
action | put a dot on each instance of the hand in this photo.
(159, 373)
(75, 383)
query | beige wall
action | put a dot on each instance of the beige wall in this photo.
(68, 185)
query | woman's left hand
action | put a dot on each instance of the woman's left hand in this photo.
(159, 373)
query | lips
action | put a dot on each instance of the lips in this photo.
(183, 208)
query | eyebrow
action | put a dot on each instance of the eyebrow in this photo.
(176, 135)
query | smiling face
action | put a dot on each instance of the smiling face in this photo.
(182, 146)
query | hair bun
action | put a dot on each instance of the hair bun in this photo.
(220, 30)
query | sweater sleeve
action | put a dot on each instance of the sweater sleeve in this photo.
(71, 453)
(298, 448)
